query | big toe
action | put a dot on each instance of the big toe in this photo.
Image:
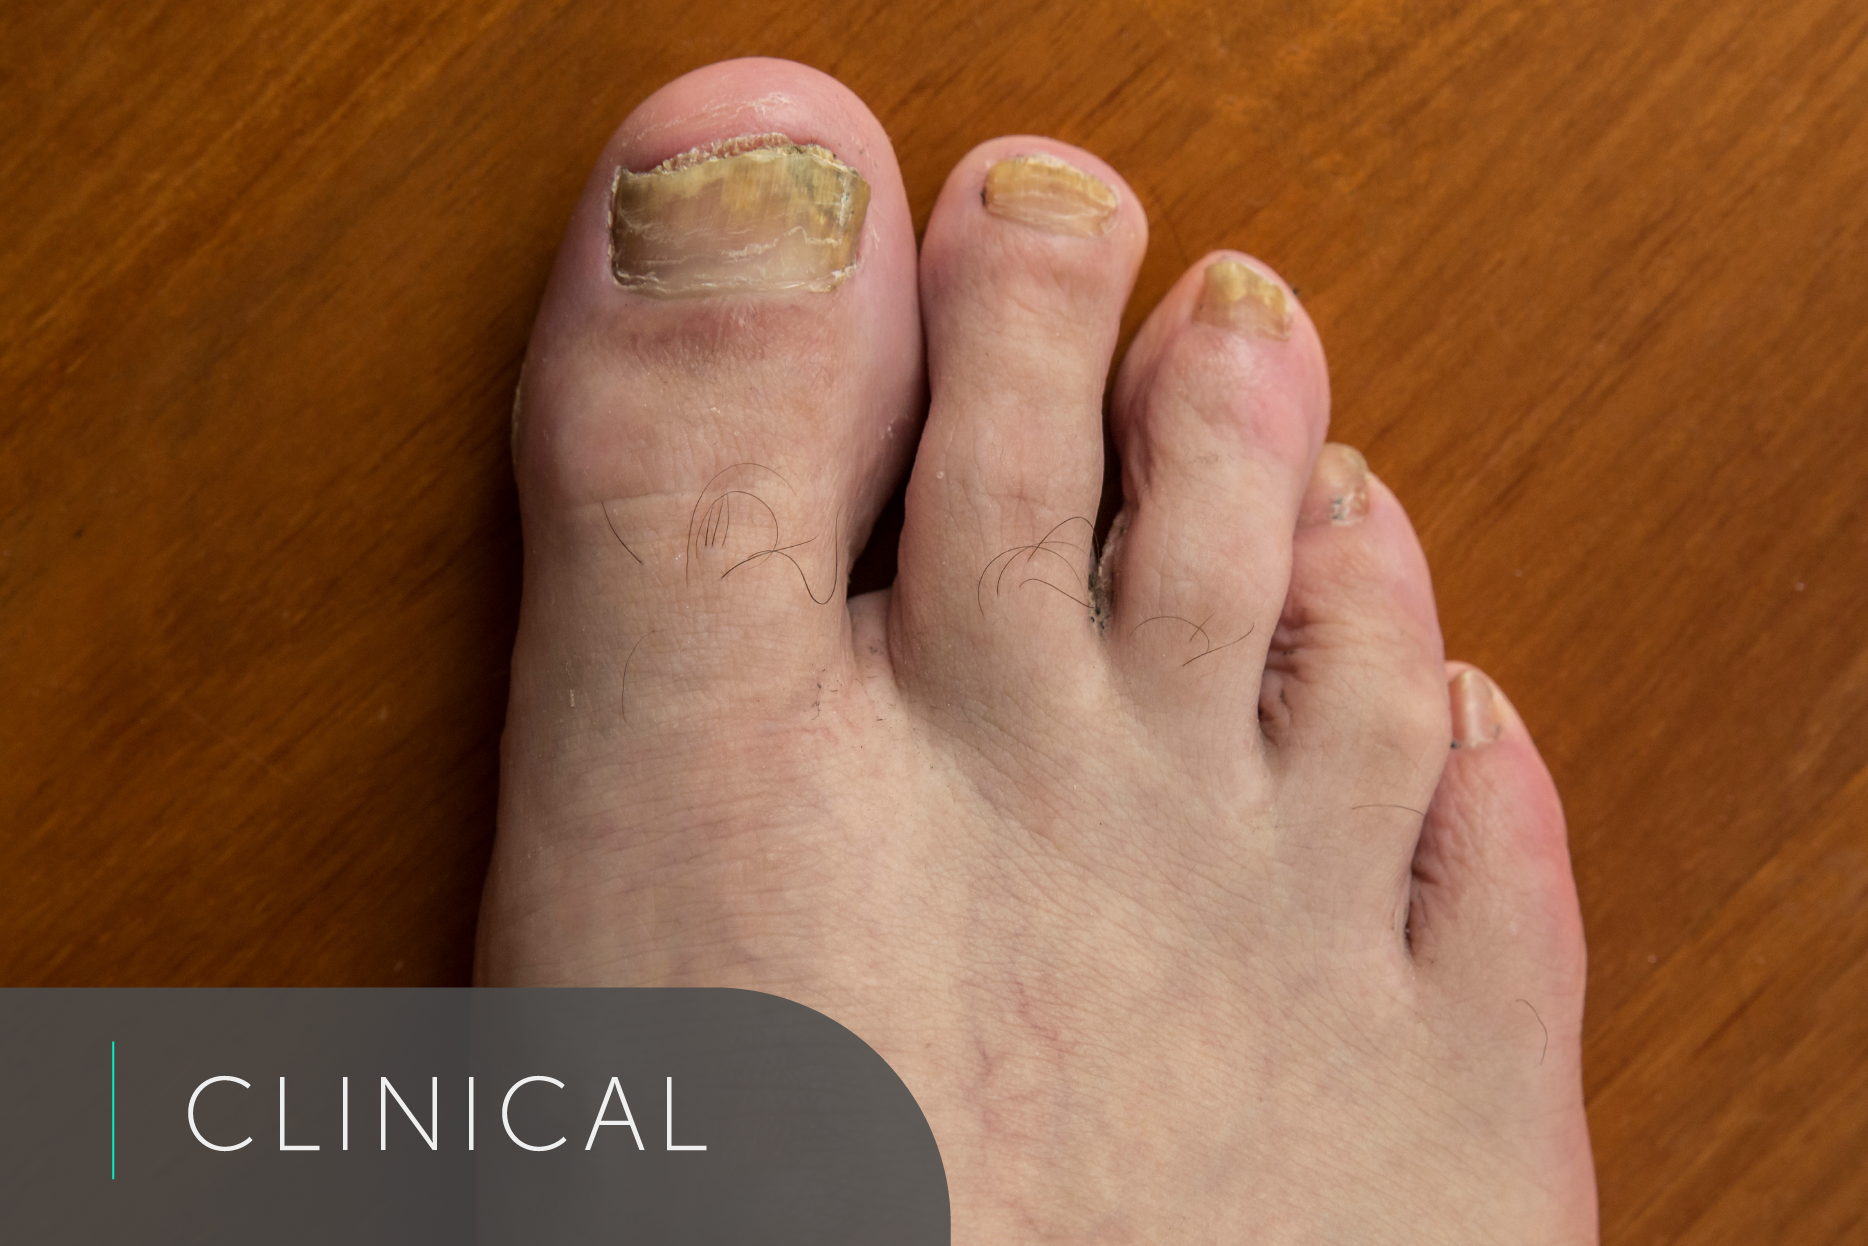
(723, 384)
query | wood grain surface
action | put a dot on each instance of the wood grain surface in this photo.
(1594, 283)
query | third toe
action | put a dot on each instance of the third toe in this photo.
(1220, 409)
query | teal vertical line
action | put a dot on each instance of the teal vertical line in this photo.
(113, 1109)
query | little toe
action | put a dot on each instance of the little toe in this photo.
(1494, 896)
(1496, 931)
(1027, 261)
(1219, 410)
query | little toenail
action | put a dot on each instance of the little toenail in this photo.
(1239, 297)
(1339, 488)
(1476, 720)
(745, 215)
(1046, 193)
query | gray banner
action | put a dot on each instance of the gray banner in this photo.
(416, 1116)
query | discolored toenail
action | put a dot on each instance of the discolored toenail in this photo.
(1239, 297)
(751, 214)
(1476, 720)
(1339, 488)
(1049, 194)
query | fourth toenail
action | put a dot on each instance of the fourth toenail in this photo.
(1476, 720)
(1239, 297)
(1339, 488)
(747, 215)
(1049, 194)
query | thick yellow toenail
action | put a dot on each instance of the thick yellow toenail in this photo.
(1476, 720)
(746, 215)
(1339, 488)
(1046, 193)
(1241, 298)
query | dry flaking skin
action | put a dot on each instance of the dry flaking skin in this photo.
(1103, 577)
(747, 215)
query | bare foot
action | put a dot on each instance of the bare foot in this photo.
(1151, 873)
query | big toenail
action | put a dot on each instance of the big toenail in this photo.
(745, 215)
(1476, 720)
(1046, 193)
(1339, 488)
(1239, 297)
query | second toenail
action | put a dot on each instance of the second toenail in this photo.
(746, 215)
(1239, 297)
(1476, 720)
(1049, 194)
(1339, 488)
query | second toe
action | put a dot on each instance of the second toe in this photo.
(1027, 262)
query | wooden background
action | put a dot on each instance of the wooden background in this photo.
(1594, 283)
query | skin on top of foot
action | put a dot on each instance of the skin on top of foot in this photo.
(1191, 891)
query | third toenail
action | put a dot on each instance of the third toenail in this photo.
(1049, 194)
(746, 215)
(1476, 720)
(1239, 297)
(1339, 488)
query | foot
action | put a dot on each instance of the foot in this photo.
(1149, 869)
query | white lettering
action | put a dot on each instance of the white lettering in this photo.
(192, 1128)
(615, 1088)
(671, 1122)
(283, 1144)
(505, 1110)
(430, 1135)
